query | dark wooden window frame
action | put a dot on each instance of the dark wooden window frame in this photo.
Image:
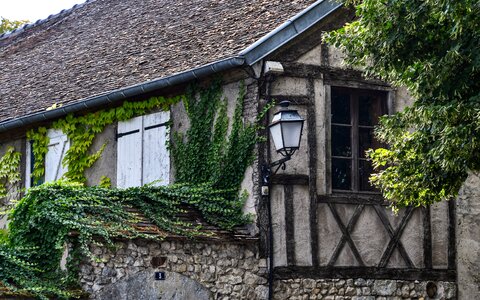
(355, 126)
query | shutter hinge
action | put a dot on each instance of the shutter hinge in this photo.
(156, 126)
(119, 135)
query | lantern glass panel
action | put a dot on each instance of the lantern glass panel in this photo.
(276, 132)
(291, 134)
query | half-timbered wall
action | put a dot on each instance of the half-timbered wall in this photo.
(330, 234)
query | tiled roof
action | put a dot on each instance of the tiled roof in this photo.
(206, 231)
(109, 44)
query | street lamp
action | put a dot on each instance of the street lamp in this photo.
(286, 131)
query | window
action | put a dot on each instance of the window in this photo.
(354, 113)
(142, 154)
(57, 147)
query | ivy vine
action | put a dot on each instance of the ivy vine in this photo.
(206, 153)
(39, 141)
(9, 171)
(209, 171)
(81, 132)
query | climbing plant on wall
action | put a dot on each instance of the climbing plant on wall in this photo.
(9, 173)
(81, 132)
(206, 153)
(210, 168)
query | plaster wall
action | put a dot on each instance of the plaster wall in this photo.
(312, 57)
(468, 238)
(106, 165)
(311, 97)
(335, 57)
(289, 86)
(277, 202)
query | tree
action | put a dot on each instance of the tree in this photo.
(432, 48)
(6, 25)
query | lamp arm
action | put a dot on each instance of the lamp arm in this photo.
(267, 169)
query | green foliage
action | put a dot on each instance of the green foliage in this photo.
(61, 213)
(210, 168)
(211, 158)
(82, 130)
(105, 182)
(218, 159)
(9, 170)
(431, 47)
(7, 25)
(39, 141)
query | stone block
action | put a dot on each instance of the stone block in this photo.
(384, 287)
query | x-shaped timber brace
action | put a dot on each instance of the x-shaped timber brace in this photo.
(395, 235)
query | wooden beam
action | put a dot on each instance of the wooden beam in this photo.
(427, 237)
(289, 224)
(294, 100)
(288, 179)
(343, 240)
(365, 272)
(353, 198)
(452, 250)
(334, 76)
(312, 171)
(394, 236)
(346, 234)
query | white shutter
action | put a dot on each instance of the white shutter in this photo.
(57, 147)
(129, 153)
(156, 159)
(142, 155)
(28, 165)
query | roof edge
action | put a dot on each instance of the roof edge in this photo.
(289, 30)
(61, 14)
(249, 56)
(118, 95)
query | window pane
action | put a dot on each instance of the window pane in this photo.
(367, 140)
(370, 108)
(341, 141)
(364, 170)
(341, 173)
(340, 107)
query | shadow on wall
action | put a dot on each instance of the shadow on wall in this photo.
(143, 285)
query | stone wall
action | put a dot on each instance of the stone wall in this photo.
(203, 270)
(360, 289)
(226, 270)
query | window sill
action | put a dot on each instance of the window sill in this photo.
(346, 197)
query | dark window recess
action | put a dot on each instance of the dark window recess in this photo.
(341, 141)
(341, 108)
(355, 112)
(341, 173)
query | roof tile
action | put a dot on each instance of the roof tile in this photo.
(109, 44)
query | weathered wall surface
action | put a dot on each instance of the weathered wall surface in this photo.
(202, 270)
(360, 289)
(468, 238)
(106, 165)
(307, 83)
(227, 271)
